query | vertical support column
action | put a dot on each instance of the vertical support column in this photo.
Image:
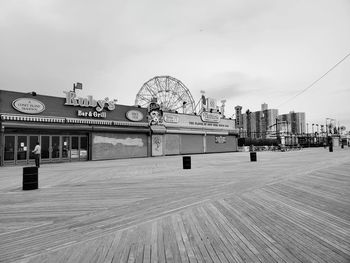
(89, 146)
(2, 143)
(149, 144)
(157, 145)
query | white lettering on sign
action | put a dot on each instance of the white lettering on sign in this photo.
(134, 115)
(210, 117)
(29, 106)
(92, 114)
(73, 100)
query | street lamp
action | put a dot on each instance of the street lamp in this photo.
(328, 125)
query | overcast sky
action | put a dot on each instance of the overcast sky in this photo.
(245, 51)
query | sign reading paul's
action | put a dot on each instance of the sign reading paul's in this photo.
(89, 102)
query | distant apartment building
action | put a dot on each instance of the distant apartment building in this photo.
(258, 124)
(267, 122)
(294, 122)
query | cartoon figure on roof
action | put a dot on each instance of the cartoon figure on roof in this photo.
(155, 114)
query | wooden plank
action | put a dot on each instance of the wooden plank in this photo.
(292, 232)
(179, 241)
(154, 211)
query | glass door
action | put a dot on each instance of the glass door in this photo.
(65, 147)
(83, 148)
(55, 146)
(9, 153)
(22, 148)
(75, 148)
(45, 147)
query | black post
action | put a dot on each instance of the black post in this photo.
(331, 147)
(30, 178)
(253, 156)
(186, 162)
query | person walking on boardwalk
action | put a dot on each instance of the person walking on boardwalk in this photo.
(37, 152)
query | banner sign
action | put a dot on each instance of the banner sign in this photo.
(196, 122)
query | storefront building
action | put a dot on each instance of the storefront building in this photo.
(69, 128)
(193, 134)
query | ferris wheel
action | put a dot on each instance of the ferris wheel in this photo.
(171, 95)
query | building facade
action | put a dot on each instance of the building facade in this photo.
(259, 124)
(82, 128)
(294, 121)
(191, 134)
(71, 128)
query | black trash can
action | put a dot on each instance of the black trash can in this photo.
(30, 178)
(331, 148)
(186, 162)
(253, 156)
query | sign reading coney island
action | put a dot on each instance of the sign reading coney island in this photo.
(210, 117)
(28, 105)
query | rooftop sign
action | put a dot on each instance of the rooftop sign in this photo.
(28, 105)
(134, 115)
(210, 117)
(99, 105)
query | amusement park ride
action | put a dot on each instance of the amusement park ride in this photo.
(173, 96)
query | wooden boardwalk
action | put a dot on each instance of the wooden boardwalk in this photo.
(287, 207)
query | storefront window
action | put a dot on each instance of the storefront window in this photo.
(9, 148)
(22, 148)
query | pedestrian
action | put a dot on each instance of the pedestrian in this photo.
(37, 153)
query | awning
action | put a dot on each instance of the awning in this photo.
(14, 117)
(29, 119)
